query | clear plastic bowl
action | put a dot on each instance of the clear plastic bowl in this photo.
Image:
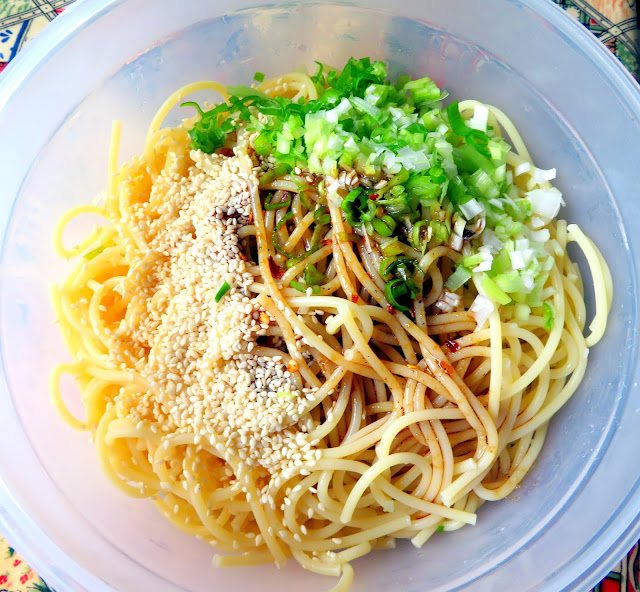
(578, 510)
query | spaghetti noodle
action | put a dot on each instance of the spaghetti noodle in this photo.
(289, 371)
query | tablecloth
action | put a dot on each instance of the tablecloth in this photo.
(614, 22)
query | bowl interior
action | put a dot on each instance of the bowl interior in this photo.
(124, 543)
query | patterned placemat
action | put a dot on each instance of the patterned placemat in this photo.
(614, 22)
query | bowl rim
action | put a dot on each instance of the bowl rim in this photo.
(26, 534)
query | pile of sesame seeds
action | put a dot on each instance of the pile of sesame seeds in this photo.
(200, 356)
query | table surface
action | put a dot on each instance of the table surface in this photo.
(614, 22)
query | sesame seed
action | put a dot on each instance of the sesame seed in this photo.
(199, 356)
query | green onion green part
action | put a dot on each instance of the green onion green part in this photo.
(274, 238)
(549, 313)
(222, 290)
(312, 276)
(298, 286)
(269, 205)
(94, 253)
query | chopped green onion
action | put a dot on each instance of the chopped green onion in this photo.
(473, 260)
(285, 394)
(420, 234)
(224, 288)
(437, 175)
(318, 78)
(298, 286)
(401, 266)
(275, 173)
(348, 237)
(367, 108)
(295, 260)
(262, 144)
(241, 91)
(319, 232)
(475, 138)
(384, 265)
(312, 276)
(458, 278)
(501, 263)
(456, 122)
(399, 179)
(522, 312)
(549, 314)
(440, 230)
(440, 527)
(321, 215)
(395, 290)
(94, 253)
(209, 133)
(269, 205)
(494, 293)
(396, 203)
(424, 189)
(457, 192)
(510, 282)
(309, 205)
(384, 226)
(480, 141)
(432, 182)
(274, 237)
(484, 185)
(469, 160)
(353, 206)
(391, 247)
(194, 105)
(423, 90)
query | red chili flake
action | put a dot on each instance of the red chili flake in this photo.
(355, 298)
(327, 241)
(276, 272)
(391, 309)
(453, 346)
(374, 196)
(293, 366)
(228, 152)
(445, 366)
(16, 563)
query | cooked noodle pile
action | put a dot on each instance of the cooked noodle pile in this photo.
(244, 363)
